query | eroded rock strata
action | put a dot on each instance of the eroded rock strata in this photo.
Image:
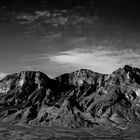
(79, 99)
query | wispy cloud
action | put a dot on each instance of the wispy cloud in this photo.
(97, 58)
(104, 61)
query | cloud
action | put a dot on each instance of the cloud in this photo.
(2, 75)
(100, 60)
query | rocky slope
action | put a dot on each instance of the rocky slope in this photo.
(79, 99)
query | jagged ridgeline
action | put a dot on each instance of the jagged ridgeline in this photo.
(79, 99)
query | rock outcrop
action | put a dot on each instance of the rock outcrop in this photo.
(79, 99)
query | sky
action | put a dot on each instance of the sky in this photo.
(55, 44)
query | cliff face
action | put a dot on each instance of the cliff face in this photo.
(79, 99)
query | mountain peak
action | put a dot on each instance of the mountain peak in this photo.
(79, 76)
(127, 67)
(17, 80)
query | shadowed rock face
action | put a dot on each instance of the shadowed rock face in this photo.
(79, 99)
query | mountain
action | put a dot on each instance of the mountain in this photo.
(73, 100)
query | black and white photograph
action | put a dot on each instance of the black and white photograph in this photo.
(69, 70)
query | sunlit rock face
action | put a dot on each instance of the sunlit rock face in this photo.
(5, 87)
(138, 92)
(6, 82)
(80, 82)
(79, 99)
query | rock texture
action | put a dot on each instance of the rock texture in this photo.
(79, 99)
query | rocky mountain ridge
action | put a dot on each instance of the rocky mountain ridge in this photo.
(79, 99)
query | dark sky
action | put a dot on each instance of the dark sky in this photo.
(100, 37)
